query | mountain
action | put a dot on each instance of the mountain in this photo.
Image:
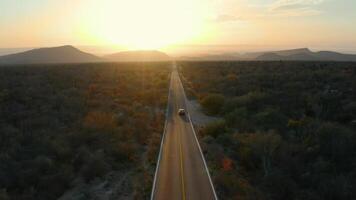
(214, 57)
(329, 55)
(306, 55)
(269, 56)
(290, 52)
(133, 56)
(62, 54)
(302, 54)
(292, 57)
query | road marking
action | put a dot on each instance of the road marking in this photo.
(196, 139)
(181, 165)
(162, 141)
(180, 143)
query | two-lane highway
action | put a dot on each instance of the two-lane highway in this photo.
(181, 173)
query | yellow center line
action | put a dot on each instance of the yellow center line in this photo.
(181, 167)
(179, 140)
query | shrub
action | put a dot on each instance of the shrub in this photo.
(212, 103)
(314, 160)
(4, 195)
(240, 119)
(100, 120)
(271, 119)
(214, 128)
(96, 166)
(61, 123)
(335, 142)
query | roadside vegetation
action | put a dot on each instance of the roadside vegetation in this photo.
(67, 126)
(287, 129)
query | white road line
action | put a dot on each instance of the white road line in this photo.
(196, 139)
(162, 141)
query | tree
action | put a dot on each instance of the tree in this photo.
(335, 141)
(214, 128)
(264, 146)
(270, 119)
(4, 195)
(227, 164)
(212, 103)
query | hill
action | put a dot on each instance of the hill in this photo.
(291, 57)
(329, 55)
(131, 56)
(307, 55)
(62, 54)
(291, 52)
(302, 54)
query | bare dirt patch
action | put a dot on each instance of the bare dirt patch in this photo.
(199, 119)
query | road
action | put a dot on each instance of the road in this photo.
(181, 172)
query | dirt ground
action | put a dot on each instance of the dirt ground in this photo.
(199, 119)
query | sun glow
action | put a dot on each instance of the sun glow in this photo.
(141, 24)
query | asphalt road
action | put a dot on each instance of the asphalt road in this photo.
(181, 173)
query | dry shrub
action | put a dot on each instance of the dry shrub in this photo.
(227, 164)
(100, 120)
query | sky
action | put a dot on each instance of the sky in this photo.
(179, 25)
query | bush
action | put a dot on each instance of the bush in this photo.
(214, 128)
(271, 119)
(96, 166)
(100, 120)
(259, 150)
(212, 103)
(62, 123)
(311, 156)
(4, 195)
(239, 119)
(335, 141)
(253, 101)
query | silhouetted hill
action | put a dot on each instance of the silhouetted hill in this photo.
(132, 56)
(62, 54)
(291, 57)
(255, 55)
(290, 52)
(213, 57)
(269, 56)
(329, 55)
(302, 54)
(308, 56)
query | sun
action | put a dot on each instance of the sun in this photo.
(143, 24)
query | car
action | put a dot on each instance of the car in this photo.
(181, 111)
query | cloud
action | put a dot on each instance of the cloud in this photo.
(226, 18)
(298, 12)
(295, 7)
(281, 4)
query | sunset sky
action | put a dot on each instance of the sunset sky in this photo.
(163, 24)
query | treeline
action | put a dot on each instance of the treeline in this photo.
(64, 125)
(287, 129)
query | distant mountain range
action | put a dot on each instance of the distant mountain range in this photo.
(70, 54)
(131, 56)
(303, 54)
(62, 54)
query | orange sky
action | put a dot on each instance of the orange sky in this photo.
(166, 24)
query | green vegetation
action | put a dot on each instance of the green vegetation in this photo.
(287, 131)
(212, 103)
(61, 126)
